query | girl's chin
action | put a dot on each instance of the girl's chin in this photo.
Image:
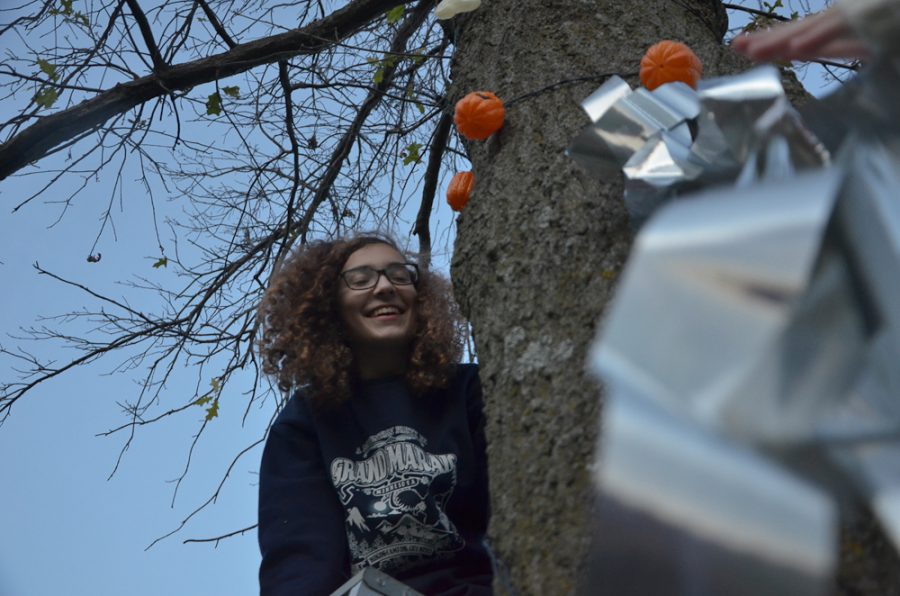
(385, 339)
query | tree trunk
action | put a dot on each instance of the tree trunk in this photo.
(538, 251)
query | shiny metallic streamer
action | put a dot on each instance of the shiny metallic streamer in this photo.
(751, 352)
(674, 140)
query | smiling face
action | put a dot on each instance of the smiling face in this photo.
(379, 318)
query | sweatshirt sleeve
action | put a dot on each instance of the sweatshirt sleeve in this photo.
(301, 525)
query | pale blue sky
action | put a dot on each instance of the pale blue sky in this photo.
(65, 529)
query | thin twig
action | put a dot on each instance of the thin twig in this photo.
(432, 171)
(404, 32)
(216, 539)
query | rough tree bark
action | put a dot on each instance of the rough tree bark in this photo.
(538, 251)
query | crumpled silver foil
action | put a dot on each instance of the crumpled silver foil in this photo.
(751, 355)
(673, 139)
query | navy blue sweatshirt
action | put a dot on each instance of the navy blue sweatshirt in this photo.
(387, 480)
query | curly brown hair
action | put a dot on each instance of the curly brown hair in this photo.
(302, 341)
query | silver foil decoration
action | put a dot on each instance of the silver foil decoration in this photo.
(673, 139)
(372, 582)
(751, 352)
(686, 511)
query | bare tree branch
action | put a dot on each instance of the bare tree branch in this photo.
(770, 14)
(432, 171)
(295, 150)
(147, 33)
(34, 142)
(217, 539)
(332, 125)
(213, 497)
(375, 96)
(216, 24)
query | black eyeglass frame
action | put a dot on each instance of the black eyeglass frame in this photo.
(411, 267)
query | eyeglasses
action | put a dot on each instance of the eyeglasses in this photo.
(363, 278)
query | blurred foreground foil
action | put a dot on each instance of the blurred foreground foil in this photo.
(372, 582)
(684, 511)
(674, 140)
(751, 353)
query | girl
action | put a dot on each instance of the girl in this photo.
(379, 457)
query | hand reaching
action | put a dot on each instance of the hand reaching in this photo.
(823, 35)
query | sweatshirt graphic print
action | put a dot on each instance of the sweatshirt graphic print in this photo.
(394, 493)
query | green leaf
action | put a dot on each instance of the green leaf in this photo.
(213, 410)
(211, 398)
(70, 14)
(214, 104)
(411, 154)
(420, 107)
(383, 64)
(234, 91)
(771, 8)
(162, 262)
(395, 14)
(46, 97)
(48, 69)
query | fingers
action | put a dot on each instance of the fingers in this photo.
(740, 43)
(762, 47)
(766, 45)
(826, 27)
(838, 48)
(824, 35)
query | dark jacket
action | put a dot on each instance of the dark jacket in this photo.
(387, 480)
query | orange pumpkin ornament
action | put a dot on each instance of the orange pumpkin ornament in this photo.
(669, 61)
(459, 190)
(478, 115)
